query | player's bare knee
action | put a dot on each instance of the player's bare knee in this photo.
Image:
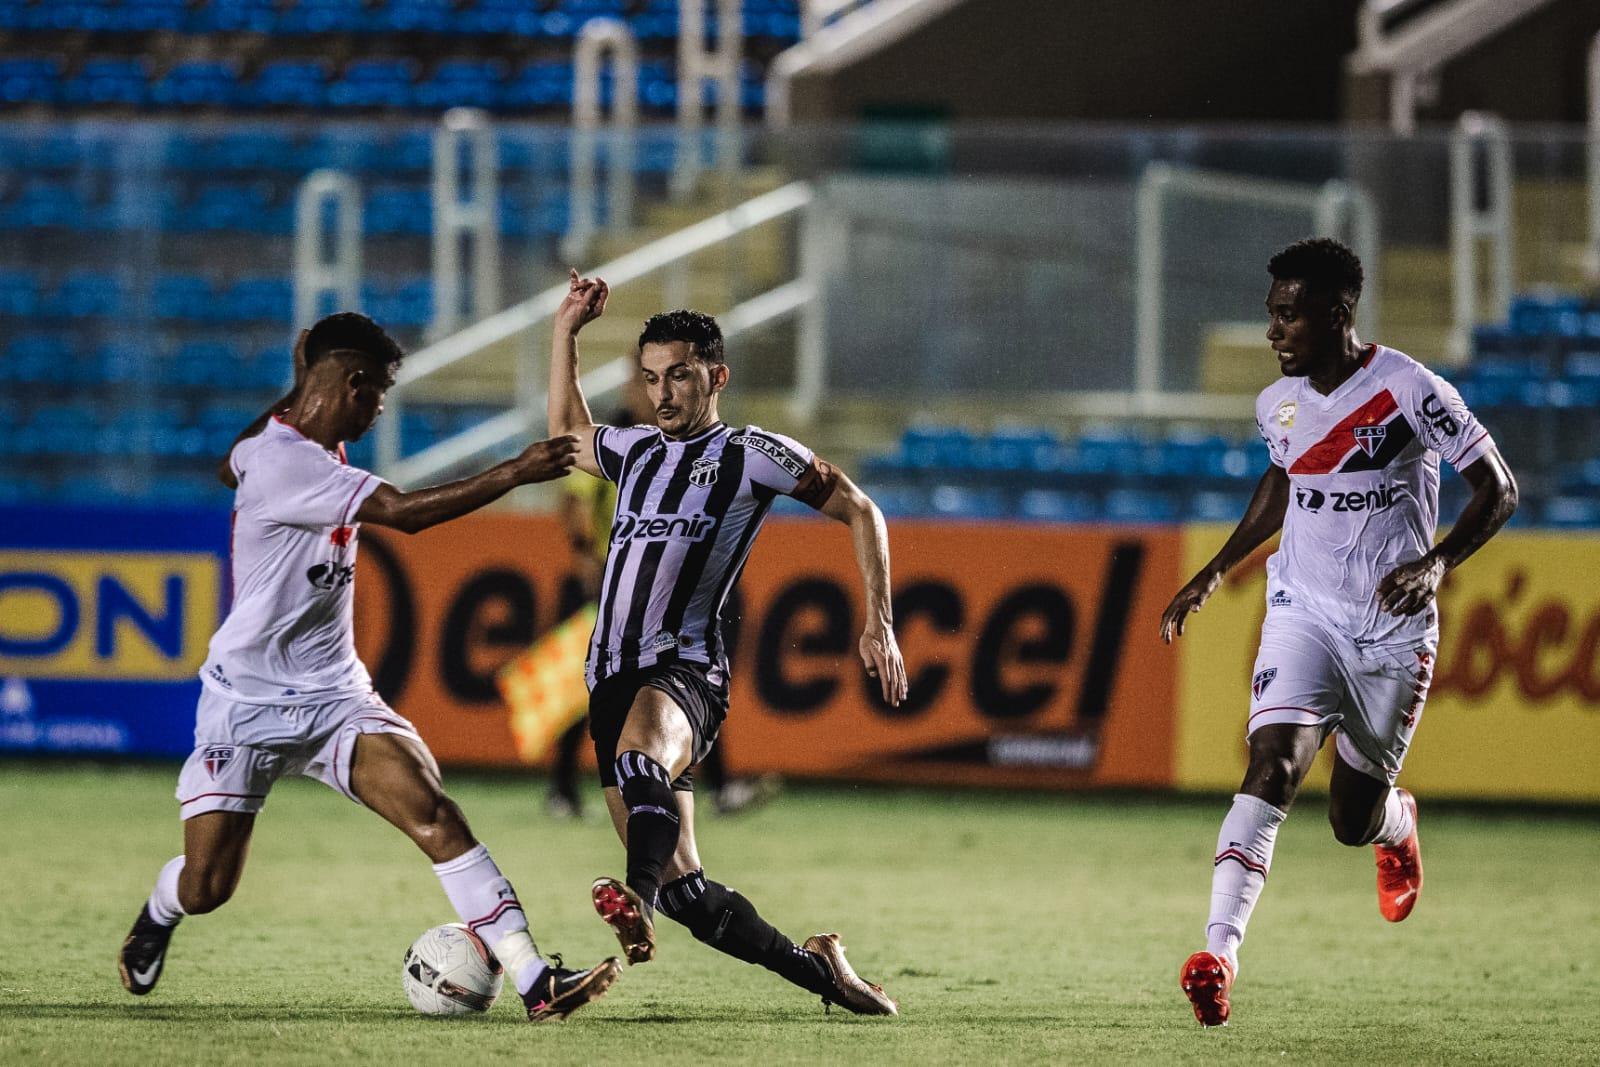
(1274, 777)
(1352, 827)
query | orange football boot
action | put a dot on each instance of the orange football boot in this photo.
(1400, 869)
(1207, 979)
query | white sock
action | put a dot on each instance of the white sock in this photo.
(1397, 822)
(1244, 854)
(489, 906)
(163, 904)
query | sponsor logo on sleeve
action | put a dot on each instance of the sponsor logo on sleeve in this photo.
(1438, 416)
(783, 457)
(1281, 599)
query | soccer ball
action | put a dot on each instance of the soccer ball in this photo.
(450, 971)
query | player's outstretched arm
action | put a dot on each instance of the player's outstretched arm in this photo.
(870, 537)
(410, 512)
(278, 407)
(1410, 587)
(565, 405)
(1262, 519)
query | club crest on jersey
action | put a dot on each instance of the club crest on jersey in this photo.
(703, 472)
(1259, 683)
(1368, 438)
(1286, 412)
(217, 757)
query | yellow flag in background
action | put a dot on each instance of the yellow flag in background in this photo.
(544, 687)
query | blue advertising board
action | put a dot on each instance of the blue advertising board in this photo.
(105, 614)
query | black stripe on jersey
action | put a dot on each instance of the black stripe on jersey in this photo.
(735, 571)
(619, 557)
(1397, 434)
(640, 447)
(730, 475)
(644, 580)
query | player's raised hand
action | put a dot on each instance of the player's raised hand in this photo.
(1410, 587)
(1189, 599)
(881, 654)
(585, 301)
(544, 461)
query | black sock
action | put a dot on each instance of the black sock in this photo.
(652, 821)
(725, 920)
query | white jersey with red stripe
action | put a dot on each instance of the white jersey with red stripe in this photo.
(288, 638)
(1363, 465)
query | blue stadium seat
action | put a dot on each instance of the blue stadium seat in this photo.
(1572, 512)
(227, 16)
(961, 502)
(30, 80)
(1544, 316)
(374, 83)
(1137, 505)
(36, 358)
(541, 83)
(145, 16)
(85, 294)
(1218, 507)
(1049, 505)
(416, 16)
(198, 83)
(184, 296)
(109, 80)
(298, 83)
(259, 300)
(124, 360)
(19, 294)
(406, 304)
(462, 83)
(325, 16)
(399, 209)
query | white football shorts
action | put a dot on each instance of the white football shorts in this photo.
(241, 749)
(1306, 674)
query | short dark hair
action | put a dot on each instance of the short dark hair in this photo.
(354, 332)
(700, 330)
(1325, 266)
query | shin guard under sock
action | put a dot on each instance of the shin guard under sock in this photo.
(724, 919)
(652, 821)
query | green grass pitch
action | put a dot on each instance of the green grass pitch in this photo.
(1013, 929)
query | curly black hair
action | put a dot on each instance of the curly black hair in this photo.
(1325, 266)
(353, 332)
(700, 330)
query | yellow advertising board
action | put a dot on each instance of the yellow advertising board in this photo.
(1515, 708)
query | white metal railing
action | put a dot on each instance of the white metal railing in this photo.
(697, 65)
(857, 33)
(1470, 224)
(1415, 49)
(1337, 208)
(665, 253)
(1592, 260)
(597, 39)
(457, 218)
(316, 271)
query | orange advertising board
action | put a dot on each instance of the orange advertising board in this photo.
(1031, 650)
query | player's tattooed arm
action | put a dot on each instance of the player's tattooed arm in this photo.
(280, 406)
(880, 652)
(1410, 587)
(565, 405)
(411, 512)
(1262, 518)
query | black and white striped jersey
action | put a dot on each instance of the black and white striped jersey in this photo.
(687, 514)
